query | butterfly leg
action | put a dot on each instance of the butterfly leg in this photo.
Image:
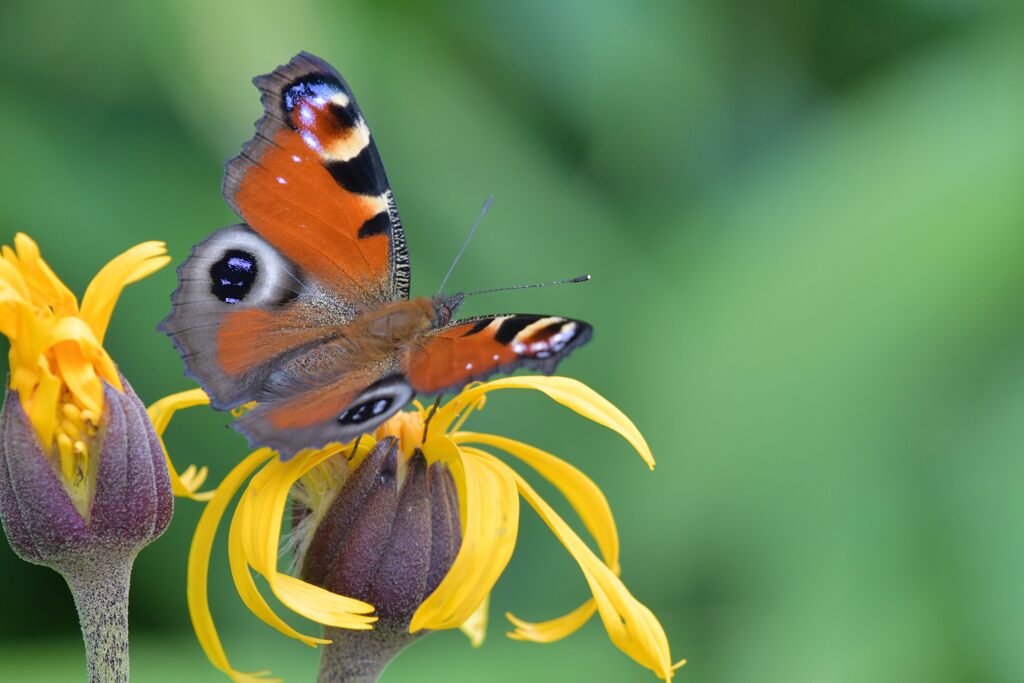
(430, 416)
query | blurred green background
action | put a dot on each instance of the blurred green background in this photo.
(805, 222)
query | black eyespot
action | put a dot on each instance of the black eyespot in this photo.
(233, 276)
(367, 410)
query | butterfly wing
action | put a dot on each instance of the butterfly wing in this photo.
(312, 184)
(322, 241)
(355, 403)
(448, 358)
(241, 310)
(441, 360)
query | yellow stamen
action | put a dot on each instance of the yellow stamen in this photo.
(72, 412)
(82, 455)
(69, 428)
(67, 457)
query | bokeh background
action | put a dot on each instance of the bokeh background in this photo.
(805, 222)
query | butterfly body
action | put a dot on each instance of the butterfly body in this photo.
(305, 307)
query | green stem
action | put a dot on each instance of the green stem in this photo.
(360, 656)
(99, 586)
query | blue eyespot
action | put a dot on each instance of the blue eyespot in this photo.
(233, 275)
(367, 410)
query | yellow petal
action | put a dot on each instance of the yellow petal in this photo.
(191, 478)
(11, 307)
(630, 625)
(246, 587)
(262, 507)
(588, 501)
(15, 303)
(88, 360)
(79, 375)
(46, 289)
(475, 627)
(199, 565)
(26, 356)
(580, 490)
(553, 629)
(490, 503)
(131, 266)
(42, 408)
(569, 392)
(12, 280)
(185, 485)
(161, 412)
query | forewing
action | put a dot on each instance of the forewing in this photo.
(448, 358)
(312, 184)
(241, 311)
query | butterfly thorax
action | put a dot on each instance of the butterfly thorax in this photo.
(384, 328)
(376, 337)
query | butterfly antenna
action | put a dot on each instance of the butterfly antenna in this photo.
(465, 243)
(570, 281)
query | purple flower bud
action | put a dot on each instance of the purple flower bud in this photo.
(386, 541)
(389, 540)
(128, 501)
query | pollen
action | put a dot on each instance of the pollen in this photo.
(243, 409)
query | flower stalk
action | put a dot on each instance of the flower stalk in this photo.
(99, 587)
(360, 656)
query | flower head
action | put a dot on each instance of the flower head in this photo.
(58, 365)
(330, 508)
(83, 480)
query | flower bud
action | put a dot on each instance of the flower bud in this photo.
(116, 504)
(389, 536)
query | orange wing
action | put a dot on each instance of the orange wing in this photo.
(312, 184)
(355, 403)
(468, 350)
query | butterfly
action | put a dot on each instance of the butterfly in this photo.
(304, 308)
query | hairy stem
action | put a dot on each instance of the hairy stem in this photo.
(99, 586)
(360, 656)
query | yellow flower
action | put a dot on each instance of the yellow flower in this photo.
(57, 360)
(488, 492)
(83, 482)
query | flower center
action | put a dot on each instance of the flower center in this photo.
(407, 427)
(73, 446)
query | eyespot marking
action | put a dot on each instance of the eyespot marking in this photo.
(233, 275)
(367, 410)
(318, 88)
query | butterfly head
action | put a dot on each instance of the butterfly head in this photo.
(445, 307)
